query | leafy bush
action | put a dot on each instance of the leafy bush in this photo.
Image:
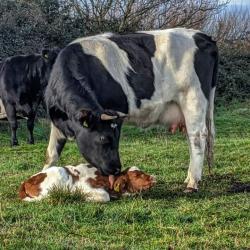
(234, 77)
(29, 26)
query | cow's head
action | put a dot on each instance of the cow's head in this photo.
(98, 140)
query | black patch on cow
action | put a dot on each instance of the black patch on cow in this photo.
(22, 83)
(206, 62)
(80, 81)
(140, 48)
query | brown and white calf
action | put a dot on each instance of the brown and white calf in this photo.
(86, 179)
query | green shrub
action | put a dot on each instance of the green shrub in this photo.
(234, 77)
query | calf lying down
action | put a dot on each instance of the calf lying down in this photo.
(88, 180)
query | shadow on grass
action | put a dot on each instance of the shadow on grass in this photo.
(212, 186)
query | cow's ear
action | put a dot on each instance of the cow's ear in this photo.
(84, 113)
(45, 53)
(84, 116)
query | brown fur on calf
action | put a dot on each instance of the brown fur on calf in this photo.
(31, 187)
(127, 182)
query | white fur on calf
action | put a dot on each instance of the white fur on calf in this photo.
(85, 178)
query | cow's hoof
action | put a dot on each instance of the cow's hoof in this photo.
(190, 190)
(31, 141)
(14, 143)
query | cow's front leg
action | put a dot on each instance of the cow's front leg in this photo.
(194, 112)
(197, 150)
(56, 143)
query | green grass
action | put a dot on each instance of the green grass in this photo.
(162, 218)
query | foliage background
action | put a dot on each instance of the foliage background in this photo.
(217, 217)
(26, 26)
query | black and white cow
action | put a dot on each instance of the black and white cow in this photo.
(22, 83)
(157, 77)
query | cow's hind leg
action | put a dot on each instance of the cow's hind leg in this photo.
(11, 115)
(56, 143)
(194, 108)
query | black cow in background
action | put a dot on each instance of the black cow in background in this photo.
(23, 80)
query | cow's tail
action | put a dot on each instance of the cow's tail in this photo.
(210, 118)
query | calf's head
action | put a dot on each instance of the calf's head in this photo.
(133, 180)
(98, 141)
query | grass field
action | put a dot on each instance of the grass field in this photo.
(217, 217)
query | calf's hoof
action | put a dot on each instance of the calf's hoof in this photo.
(190, 190)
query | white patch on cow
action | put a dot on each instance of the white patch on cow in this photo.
(2, 110)
(174, 73)
(114, 59)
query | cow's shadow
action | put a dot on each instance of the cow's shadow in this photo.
(212, 186)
